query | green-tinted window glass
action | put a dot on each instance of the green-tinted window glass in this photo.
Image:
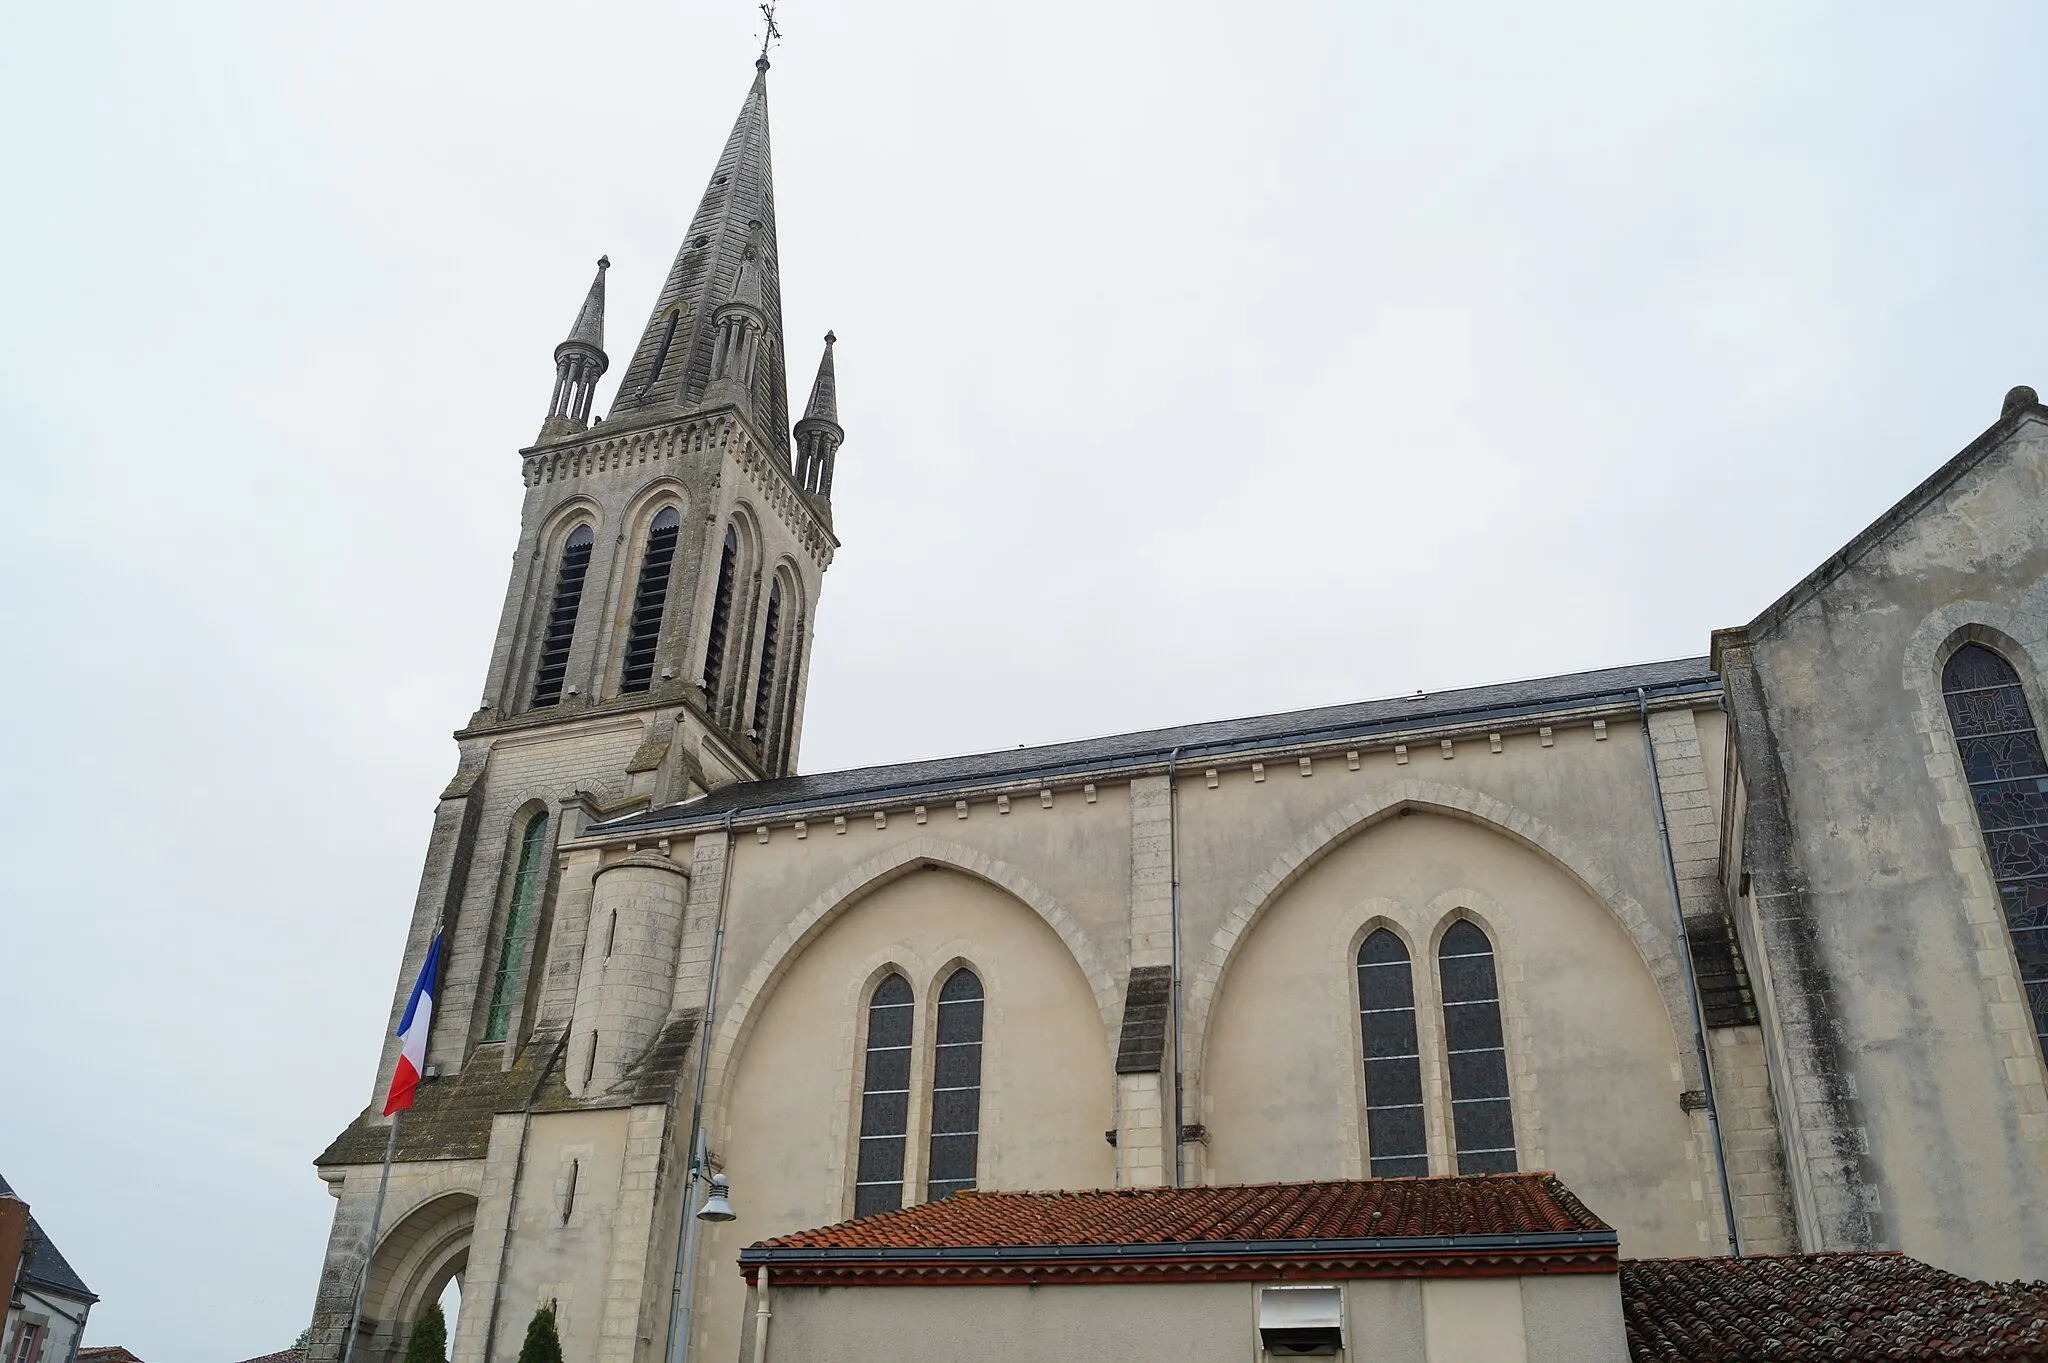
(525, 890)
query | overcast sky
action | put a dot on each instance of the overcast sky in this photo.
(1196, 360)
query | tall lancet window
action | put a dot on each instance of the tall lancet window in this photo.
(884, 1100)
(1394, 1124)
(650, 598)
(1482, 1119)
(956, 1087)
(721, 615)
(561, 630)
(526, 889)
(771, 645)
(2008, 776)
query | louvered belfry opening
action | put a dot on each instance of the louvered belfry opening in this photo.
(721, 616)
(764, 685)
(650, 599)
(561, 630)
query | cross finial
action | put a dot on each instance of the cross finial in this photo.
(771, 33)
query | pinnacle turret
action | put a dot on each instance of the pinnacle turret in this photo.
(818, 435)
(580, 362)
(715, 335)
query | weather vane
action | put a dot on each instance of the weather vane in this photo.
(773, 33)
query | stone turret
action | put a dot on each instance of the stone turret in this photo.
(818, 435)
(580, 362)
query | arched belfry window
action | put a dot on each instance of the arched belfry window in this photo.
(771, 647)
(561, 626)
(2008, 776)
(1394, 1124)
(526, 891)
(650, 598)
(956, 1086)
(884, 1100)
(721, 615)
(1482, 1118)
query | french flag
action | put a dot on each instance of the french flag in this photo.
(412, 1033)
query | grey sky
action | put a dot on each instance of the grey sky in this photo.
(1196, 359)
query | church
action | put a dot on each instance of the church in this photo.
(1743, 954)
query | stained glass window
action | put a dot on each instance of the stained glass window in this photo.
(554, 648)
(2008, 776)
(956, 1087)
(533, 847)
(650, 598)
(1394, 1135)
(1482, 1118)
(884, 1100)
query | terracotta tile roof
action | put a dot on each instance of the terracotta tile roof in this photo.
(107, 1353)
(292, 1355)
(1824, 1306)
(1367, 1227)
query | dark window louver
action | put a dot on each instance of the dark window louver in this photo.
(650, 598)
(884, 1100)
(2007, 772)
(721, 615)
(561, 630)
(956, 1087)
(1482, 1117)
(764, 685)
(1395, 1131)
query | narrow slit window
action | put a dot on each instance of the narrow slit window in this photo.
(1482, 1117)
(533, 846)
(956, 1087)
(884, 1100)
(668, 336)
(2008, 776)
(721, 615)
(561, 626)
(771, 643)
(650, 598)
(1395, 1131)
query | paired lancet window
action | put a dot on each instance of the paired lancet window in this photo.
(650, 599)
(1475, 1055)
(561, 627)
(886, 1077)
(526, 892)
(2008, 777)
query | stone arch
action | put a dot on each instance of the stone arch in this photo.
(738, 1016)
(1654, 940)
(2019, 633)
(424, 1247)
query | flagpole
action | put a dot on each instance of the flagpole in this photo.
(369, 1251)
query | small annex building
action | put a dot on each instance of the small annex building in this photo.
(1505, 1268)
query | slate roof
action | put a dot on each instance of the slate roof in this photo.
(1197, 742)
(1778, 1309)
(47, 1267)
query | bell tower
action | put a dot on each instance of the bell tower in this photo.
(654, 645)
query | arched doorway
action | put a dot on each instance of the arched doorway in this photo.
(417, 1262)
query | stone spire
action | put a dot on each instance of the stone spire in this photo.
(727, 266)
(580, 362)
(818, 435)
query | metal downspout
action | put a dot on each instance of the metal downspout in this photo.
(684, 1293)
(1173, 874)
(1692, 987)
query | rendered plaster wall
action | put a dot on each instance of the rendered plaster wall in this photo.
(1565, 1319)
(789, 1141)
(1592, 1057)
(1886, 914)
(562, 1246)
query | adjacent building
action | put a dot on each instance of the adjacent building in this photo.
(46, 1310)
